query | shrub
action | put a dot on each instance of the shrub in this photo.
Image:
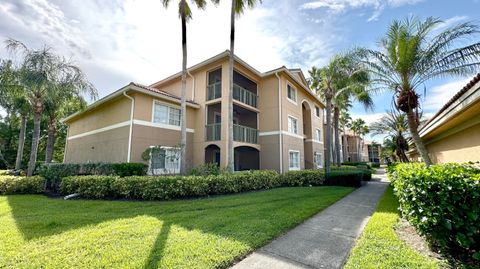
(21, 185)
(375, 165)
(442, 202)
(357, 164)
(313, 177)
(168, 187)
(349, 178)
(206, 170)
(54, 172)
(366, 173)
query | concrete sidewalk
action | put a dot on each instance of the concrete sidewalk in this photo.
(325, 240)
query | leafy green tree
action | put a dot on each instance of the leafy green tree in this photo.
(413, 52)
(185, 14)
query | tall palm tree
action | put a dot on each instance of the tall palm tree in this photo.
(344, 121)
(39, 70)
(393, 124)
(185, 14)
(413, 52)
(237, 8)
(359, 128)
(336, 83)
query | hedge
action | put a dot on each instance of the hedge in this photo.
(21, 185)
(54, 172)
(442, 202)
(172, 187)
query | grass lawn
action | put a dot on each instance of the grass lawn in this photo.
(40, 232)
(379, 245)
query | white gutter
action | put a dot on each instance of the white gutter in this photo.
(66, 145)
(193, 84)
(131, 125)
(280, 135)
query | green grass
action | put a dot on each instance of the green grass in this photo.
(40, 232)
(379, 245)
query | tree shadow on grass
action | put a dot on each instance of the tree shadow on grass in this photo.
(250, 218)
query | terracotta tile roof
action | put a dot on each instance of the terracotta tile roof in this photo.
(155, 90)
(467, 87)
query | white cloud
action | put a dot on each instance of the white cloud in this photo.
(439, 95)
(116, 41)
(338, 6)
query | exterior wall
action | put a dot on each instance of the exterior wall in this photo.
(108, 146)
(463, 146)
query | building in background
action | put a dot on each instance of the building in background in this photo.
(453, 133)
(277, 120)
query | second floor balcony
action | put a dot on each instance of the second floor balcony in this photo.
(240, 133)
(241, 94)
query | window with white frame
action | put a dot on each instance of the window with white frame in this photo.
(165, 160)
(318, 135)
(318, 160)
(166, 114)
(317, 111)
(291, 93)
(294, 160)
(292, 125)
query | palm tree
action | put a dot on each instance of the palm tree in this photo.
(413, 52)
(359, 129)
(12, 97)
(237, 8)
(393, 124)
(185, 14)
(39, 72)
(336, 83)
(344, 121)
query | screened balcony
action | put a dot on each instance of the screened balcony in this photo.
(245, 134)
(245, 125)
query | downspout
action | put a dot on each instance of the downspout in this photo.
(131, 125)
(193, 85)
(280, 134)
(66, 145)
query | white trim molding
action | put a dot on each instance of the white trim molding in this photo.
(314, 141)
(100, 130)
(160, 125)
(282, 132)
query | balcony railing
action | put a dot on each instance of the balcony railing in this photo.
(214, 91)
(245, 96)
(213, 131)
(245, 134)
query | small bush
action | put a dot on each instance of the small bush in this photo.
(207, 169)
(442, 202)
(349, 178)
(21, 185)
(313, 177)
(129, 169)
(375, 165)
(357, 164)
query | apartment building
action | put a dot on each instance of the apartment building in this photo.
(277, 120)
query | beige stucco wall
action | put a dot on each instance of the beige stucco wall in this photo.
(108, 146)
(463, 146)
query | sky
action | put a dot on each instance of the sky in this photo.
(119, 41)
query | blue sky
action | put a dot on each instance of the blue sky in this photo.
(118, 41)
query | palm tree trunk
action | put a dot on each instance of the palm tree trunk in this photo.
(328, 139)
(21, 142)
(230, 91)
(413, 127)
(37, 116)
(183, 100)
(336, 115)
(52, 135)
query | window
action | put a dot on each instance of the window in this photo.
(291, 93)
(294, 160)
(165, 161)
(292, 125)
(318, 135)
(166, 114)
(317, 111)
(318, 160)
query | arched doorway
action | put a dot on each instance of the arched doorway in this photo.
(212, 154)
(246, 158)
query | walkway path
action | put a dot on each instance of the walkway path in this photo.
(325, 240)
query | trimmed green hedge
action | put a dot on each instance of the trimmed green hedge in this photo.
(54, 172)
(442, 202)
(21, 185)
(173, 187)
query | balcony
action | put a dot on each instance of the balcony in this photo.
(245, 134)
(214, 91)
(245, 96)
(213, 131)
